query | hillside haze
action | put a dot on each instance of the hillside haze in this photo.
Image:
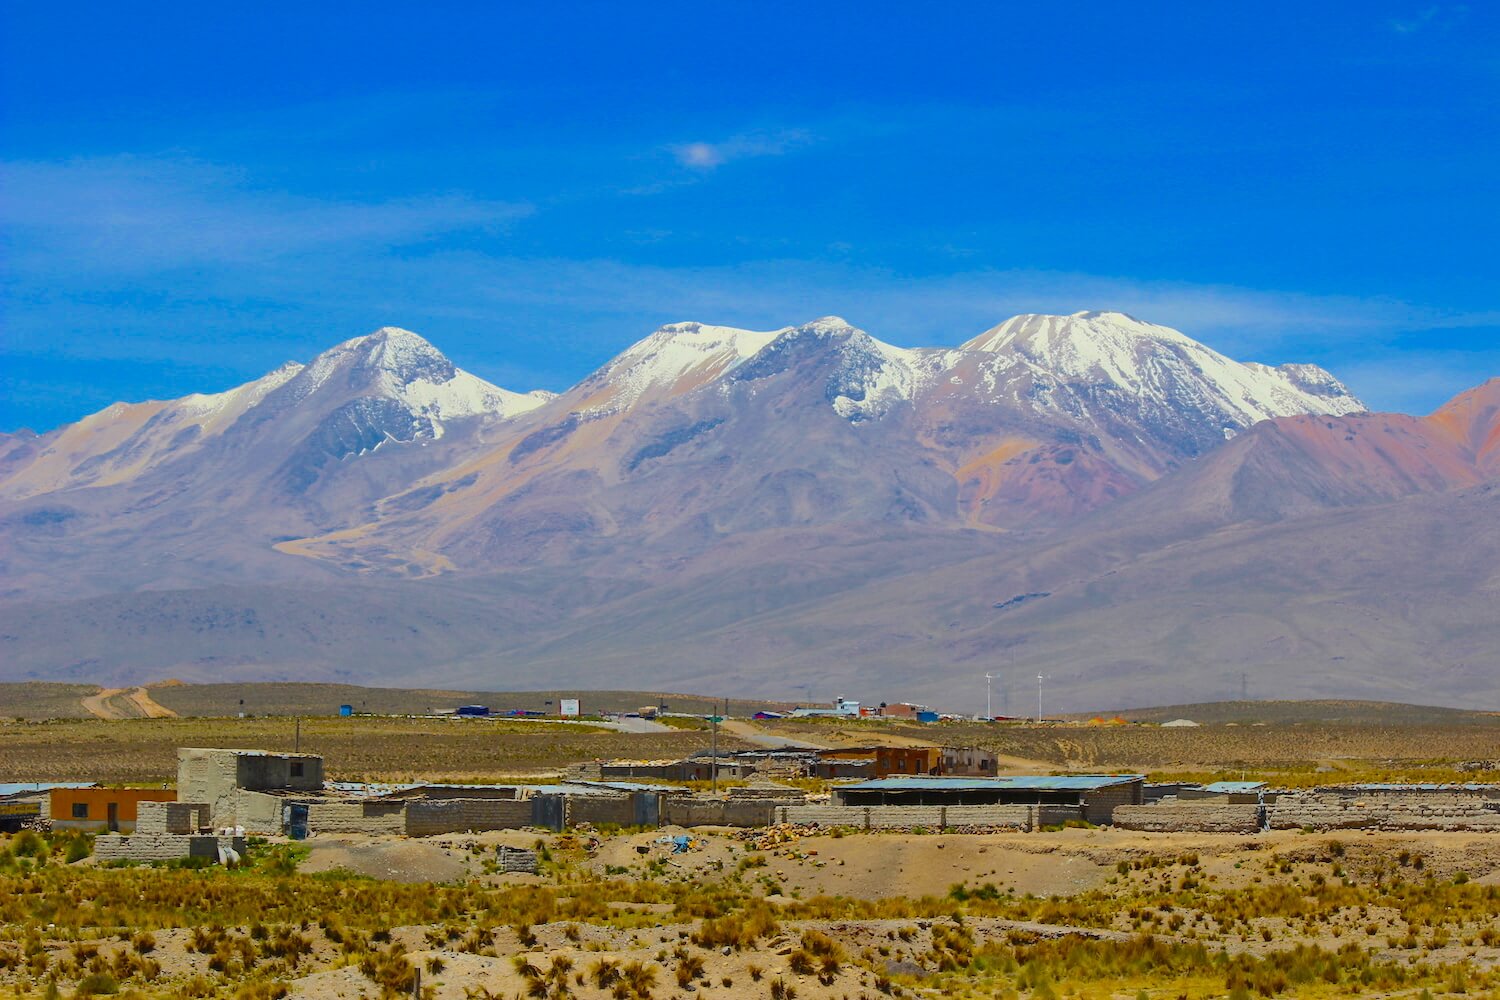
(1092, 497)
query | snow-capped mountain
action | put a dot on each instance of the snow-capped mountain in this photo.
(699, 430)
(1158, 368)
(399, 365)
(390, 385)
(808, 497)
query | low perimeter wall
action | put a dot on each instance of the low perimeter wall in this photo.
(1204, 817)
(432, 816)
(1386, 811)
(701, 812)
(933, 817)
(162, 846)
(375, 818)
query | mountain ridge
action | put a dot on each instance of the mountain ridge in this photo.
(811, 498)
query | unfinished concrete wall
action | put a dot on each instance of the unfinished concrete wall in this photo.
(274, 772)
(600, 810)
(206, 775)
(257, 812)
(172, 817)
(1453, 811)
(1099, 804)
(378, 818)
(681, 811)
(932, 817)
(425, 818)
(162, 846)
(1206, 816)
(220, 777)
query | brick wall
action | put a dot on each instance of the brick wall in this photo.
(1194, 817)
(1100, 804)
(1386, 811)
(162, 846)
(172, 817)
(617, 810)
(425, 818)
(932, 817)
(711, 812)
(375, 818)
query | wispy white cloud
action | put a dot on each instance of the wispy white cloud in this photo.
(136, 213)
(1434, 16)
(709, 155)
(175, 259)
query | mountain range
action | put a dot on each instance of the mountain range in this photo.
(806, 511)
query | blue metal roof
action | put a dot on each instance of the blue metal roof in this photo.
(1026, 782)
(1219, 787)
(21, 787)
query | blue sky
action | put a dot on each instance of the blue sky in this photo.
(190, 196)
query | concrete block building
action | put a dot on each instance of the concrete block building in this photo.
(248, 788)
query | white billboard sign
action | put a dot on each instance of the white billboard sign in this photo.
(567, 706)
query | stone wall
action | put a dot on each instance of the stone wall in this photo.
(777, 794)
(162, 846)
(425, 818)
(516, 859)
(1386, 811)
(1184, 817)
(932, 817)
(681, 811)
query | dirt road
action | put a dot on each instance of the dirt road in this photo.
(125, 703)
(754, 734)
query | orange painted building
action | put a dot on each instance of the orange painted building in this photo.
(101, 809)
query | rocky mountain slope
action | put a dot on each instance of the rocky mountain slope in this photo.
(1091, 497)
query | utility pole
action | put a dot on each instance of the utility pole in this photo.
(713, 750)
(1039, 698)
(989, 709)
(1244, 686)
(297, 739)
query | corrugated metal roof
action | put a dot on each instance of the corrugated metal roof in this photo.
(1419, 787)
(626, 786)
(21, 787)
(1219, 787)
(371, 788)
(1028, 782)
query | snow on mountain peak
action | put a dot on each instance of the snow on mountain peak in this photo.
(865, 377)
(404, 366)
(677, 358)
(1157, 367)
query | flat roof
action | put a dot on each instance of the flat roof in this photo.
(10, 788)
(243, 752)
(1418, 787)
(1234, 786)
(1020, 782)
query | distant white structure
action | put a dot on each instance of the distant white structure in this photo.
(842, 708)
(1180, 724)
